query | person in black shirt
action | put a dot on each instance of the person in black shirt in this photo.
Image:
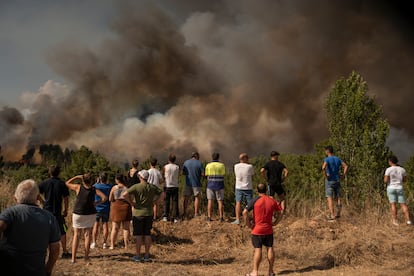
(275, 172)
(132, 176)
(55, 191)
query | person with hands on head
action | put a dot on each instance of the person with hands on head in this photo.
(266, 214)
(56, 192)
(26, 233)
(84, 212)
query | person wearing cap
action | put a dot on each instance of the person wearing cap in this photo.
(193, 171)
(244, 184)
(275, 172)
(143, 195)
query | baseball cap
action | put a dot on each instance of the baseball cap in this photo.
(144, 174)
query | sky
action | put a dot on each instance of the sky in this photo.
(290, 52)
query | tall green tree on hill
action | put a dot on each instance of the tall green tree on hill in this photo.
(358, 132)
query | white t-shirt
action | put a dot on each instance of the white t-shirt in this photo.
(244, 173)
(154, 177)
(396, 174)
(171, 172)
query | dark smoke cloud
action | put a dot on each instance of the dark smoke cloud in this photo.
(234, 76)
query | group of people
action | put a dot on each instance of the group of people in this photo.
(27, 230)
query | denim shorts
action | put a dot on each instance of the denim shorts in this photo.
(395, 195)
(333, 189)
(247, 194)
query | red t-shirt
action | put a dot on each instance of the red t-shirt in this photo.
(263, 208)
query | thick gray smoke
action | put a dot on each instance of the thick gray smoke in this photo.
(239, 76)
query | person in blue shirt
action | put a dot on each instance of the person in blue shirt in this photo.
(331, 168)
(102, 210)
(193, 171)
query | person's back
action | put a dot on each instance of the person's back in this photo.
(274, 170)
(193, 170)
(144, 194)
(215, 172)
(244, 173)
(84, 204)
(396, 175)
(155, 177)
(106, 189)
(333, 167)
(132, 176)
(171, 173)
(264, 208)
(54, 190)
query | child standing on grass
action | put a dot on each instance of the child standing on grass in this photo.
(395, 176)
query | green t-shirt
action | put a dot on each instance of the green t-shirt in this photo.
(144, 194)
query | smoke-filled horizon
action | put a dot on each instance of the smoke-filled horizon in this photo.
(245, 76)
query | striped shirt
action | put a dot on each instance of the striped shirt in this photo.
(215, 172)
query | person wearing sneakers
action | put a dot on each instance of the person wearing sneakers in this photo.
(215, 172)
(171, 173)
(102, 211)
(155, 178)
(266, 214)
(143, 194)
(395, 176)
(331, 168)
(244, 185)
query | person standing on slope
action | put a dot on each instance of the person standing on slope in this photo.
(395, 176)
(331, 168)
(266, 214)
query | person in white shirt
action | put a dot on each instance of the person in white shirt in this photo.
(395, 176)
(155, 178)
(171, 173)
(244, 185)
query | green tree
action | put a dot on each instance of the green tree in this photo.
(358, 132)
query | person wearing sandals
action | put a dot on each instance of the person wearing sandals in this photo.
(143, 195)
(395, 176)
(121, 212)
(266, 213)
(331, 168)
(84, 212)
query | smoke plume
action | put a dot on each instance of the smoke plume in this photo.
(240, 76)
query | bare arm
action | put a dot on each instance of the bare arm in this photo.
(72, 186)
(54, 249)
(102, 196)
(386, 179)
(66, 206)
(111, 194)
(247, 219)
(277, 217)
(345, 167)
(324, 169)
(263, 173)
(285, 173)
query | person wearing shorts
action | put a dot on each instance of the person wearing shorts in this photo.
(144, 194)
(266, 213)
(395, 176)
(244, 185)
(215, 172)
(193, 171)
(55, 193)
(274, 172)
(331, 168)
(102, 211)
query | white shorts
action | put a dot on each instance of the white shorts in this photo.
(83, 221)
(218, 195)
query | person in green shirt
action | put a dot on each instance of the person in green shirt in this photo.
(143, 195)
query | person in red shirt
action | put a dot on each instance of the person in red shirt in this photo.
(266, 214)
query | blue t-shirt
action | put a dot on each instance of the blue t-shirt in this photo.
(106, 189)
(333, 166)
(193, 170)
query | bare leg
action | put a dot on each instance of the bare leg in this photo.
(339, 207)
(196, 205)
(238, 210)
(125, 227)
(185, 205)
(148, 242)
(331, 207)
(209, 207)
(282, 202)
(114, 233)
(139, 241)
(63, 242)
(270, 259)
(105, 232)
(256, 260)
(75, 243)
(88, 234)
(155, 210)
(95, 232)
(394, 211)
(405, 211)
(221, 208)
